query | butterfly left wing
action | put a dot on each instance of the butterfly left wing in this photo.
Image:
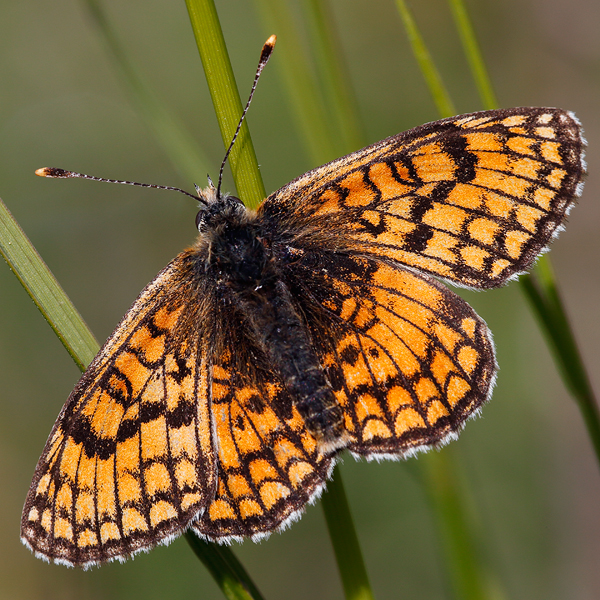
(409, 361)
(268, 463)
(473, 199)
(131, 460)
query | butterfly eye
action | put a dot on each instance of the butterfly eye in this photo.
(201, 218)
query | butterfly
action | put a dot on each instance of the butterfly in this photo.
(314, 325)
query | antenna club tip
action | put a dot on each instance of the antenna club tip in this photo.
(267, 50)
(51, 172)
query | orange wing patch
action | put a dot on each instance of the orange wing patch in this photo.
(472, 199)
(410, 361)
(269, 466)
(131, 458)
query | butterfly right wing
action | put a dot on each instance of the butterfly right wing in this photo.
(131, 459)
(408, 360)
(473, 199)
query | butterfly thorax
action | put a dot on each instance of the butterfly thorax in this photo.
(237, 252)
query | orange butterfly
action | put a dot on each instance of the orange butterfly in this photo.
(313, 325)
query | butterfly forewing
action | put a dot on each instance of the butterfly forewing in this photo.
(473, 199)
(130, 461)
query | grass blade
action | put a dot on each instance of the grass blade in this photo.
(342, 533)
(338, 92)
(438, 91)
(226, 569)
(540, 287)
(473, 54)
(226, 99)
(305, 97)
(45, 291)
(543, 295)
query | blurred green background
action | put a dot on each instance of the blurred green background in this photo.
(532, 482)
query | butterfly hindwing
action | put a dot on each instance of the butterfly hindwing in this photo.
(473, 199)
(131, 460)
(408, 359)
(269, 467)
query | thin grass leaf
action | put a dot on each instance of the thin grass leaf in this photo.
(342, 533)
(226, 99)
(473, 54)
(447, 491)
(185, 154)
(45, 291)
(304, 95)
(546, 303)
(353, 555)
(338, 92)
(432, 77)
(225, 568)
(540, 287)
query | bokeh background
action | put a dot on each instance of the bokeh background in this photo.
(531, 481)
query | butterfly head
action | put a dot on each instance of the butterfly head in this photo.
(218, 209)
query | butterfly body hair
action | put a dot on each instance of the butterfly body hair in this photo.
(236, 250)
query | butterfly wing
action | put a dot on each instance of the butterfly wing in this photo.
(268, 463)
(472, 199)
(131, 459)
(409, 361)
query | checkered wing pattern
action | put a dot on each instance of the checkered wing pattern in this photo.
(131, 460)
(473, 199)
(409, 360)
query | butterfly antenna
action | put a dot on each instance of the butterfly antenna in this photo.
(265, 54)
(61, 173)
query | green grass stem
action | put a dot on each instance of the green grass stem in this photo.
(313, 123)
(443, 102)
(226, 569)
(344, 539)
(540, 287)
(346, 125)
(45, 291)
(544, 298)
(473, 54)
(226, 99)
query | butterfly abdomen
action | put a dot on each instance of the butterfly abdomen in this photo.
(248, 273)
(285, 340)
